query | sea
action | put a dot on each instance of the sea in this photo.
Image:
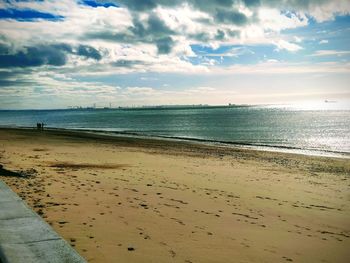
(324, 132)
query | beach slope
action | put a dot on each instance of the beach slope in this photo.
(142, 200)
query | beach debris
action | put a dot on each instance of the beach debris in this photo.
(21, 173)
(131, 249)
(69, 165)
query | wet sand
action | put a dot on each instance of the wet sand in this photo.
(138, 200)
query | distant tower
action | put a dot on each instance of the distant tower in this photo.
(110, 105)
(94, 106)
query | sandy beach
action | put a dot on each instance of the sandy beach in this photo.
(144, 200)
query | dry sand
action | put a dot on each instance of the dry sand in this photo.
(133, 200)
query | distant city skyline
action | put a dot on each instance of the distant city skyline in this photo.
(62, 53)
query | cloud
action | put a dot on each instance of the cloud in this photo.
(139, 91)
(274, 67)
(250, 3)
(320, 10)
(231, 17)
(283, 44)
(50, 54)
(153, 27)
(97, 39)
(151, 30)
(169, 26)
(232, 52)
(163, 22)
(54, 55)
(165, 45)
(298, 39)
(323, 41)
(276, 20)
(14, 78)
(139, 5)
(202, 90)
(323, 53)
(127, 63)
(88, 52)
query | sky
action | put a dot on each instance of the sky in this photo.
(66, 53)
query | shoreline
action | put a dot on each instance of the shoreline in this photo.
(144, 200)
(194, 148)
(205, 142)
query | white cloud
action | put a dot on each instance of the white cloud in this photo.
(188, 25)
(276, 67)
(298, 39)
(202, 90)
(283, 44)
(323, 41)
(183, 19)
(274, 19)
(328, 9)
(322, 53)
(272, 61)
(233, 52)
(139, 91)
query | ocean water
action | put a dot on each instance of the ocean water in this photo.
(325, 132)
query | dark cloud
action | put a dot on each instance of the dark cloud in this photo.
(210, 6)
(250, 3)
(32, 56)
(220, 35)
(165, 45)
(123, 63)
(202, 37)
(155, 31)
(233, 33)
(60, 46)
(15, 77)
(293, 4)
(40, 55)
(3, 48)
(139, 5)
(221, 10)
(158, 27)
(151, 31)
(88, 52)
(231, 17)
(13, 83)
(147, 5)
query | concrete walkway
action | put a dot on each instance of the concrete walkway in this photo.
(26, 238)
